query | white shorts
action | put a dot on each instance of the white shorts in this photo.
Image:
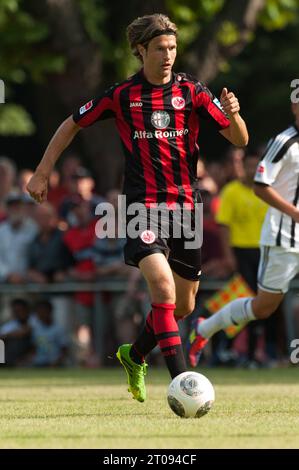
(277, 268)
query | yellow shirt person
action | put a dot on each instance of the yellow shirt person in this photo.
(243, 212)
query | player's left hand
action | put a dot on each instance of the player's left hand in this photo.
(229, 102)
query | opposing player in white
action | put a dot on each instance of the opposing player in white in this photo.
(277, 183)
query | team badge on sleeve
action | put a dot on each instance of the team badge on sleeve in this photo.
(86, 107)
(217, 103)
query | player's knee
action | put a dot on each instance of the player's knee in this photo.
(163, 291)
(185, 308)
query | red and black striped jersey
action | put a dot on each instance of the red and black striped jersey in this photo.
(159, 126)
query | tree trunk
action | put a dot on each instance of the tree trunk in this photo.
(207, 53)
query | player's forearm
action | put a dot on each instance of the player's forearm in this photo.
(274, 199)
(60, 140)
(238, 130)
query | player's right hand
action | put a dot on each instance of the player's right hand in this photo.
(38, 187)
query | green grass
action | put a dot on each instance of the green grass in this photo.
(92, 409)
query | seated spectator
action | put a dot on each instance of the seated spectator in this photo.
(49, 338)
(16, 334)
(16, 234)
(48, 256)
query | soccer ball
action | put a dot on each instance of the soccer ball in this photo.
(190, 395)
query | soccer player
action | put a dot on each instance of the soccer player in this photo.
(277, 183)
(158, 115)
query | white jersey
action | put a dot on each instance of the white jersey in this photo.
(279, 168)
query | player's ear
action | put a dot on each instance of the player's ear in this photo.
(141, 49)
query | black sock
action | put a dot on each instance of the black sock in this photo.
(145, 342)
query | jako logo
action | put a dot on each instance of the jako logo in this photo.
(2, 92)
(294, 357)
(136, 104)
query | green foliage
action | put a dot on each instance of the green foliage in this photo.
(94, 16)
(25, 54)
(24, 57)
(15, 121)
(22, 39)
(277, 14)
(261, 76)
(228, 34)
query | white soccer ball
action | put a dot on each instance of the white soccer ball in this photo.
(190, 395)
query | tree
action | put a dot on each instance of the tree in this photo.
(70, 50)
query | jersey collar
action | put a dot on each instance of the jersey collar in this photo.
(151, 85)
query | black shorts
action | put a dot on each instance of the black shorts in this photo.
(158, 237)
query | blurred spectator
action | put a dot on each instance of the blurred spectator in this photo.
(54, 179)
(204, 181)
(7, 180)
(65, 188)
(48, 256)
(49, 339)
(69, 166)
(86, 185)
(81, 184)
(16, 333)
(235, 163)
(24, 177)
(218, 171)
(108, 252)
(16, 234)
(213, 261)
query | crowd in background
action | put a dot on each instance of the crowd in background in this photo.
(56, 242)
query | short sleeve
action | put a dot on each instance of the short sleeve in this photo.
(97, 109)
(208, 107)
(271, 162)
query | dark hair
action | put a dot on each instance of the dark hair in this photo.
(145, 28)
(46, 304)
(19, 302)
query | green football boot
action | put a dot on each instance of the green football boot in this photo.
(135, 372)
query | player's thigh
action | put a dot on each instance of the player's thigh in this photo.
(186, 291)
(158, 275)
(265, 303)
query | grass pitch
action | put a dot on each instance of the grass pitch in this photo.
(92, 409)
